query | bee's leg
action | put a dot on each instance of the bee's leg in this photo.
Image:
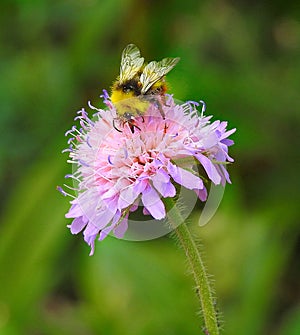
(155, 99)
(159, 106)
(132, 126)
(165, 128)
(141, 116)
(114, 125)
(162, 113)
(129, 118)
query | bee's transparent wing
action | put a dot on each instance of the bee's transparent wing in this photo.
(131, 62)
(154, 71)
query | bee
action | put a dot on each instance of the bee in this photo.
(136, 79)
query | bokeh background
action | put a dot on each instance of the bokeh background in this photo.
(243, 59)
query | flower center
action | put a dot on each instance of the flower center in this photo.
(143, 164)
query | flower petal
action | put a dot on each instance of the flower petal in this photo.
(104, 232)
(153, 204)
(140, 185)
(90, 240)
(74, 211)
(127, 197)
(210, 169)
(77, 225)
(184, 177)
(121, 228)
(145, 211)
(103, 218)
(202, 194)
(161, 181)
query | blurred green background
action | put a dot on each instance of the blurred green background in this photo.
(242, 58)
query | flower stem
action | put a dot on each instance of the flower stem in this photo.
(188, 244)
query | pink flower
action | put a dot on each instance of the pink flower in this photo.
(120, 164)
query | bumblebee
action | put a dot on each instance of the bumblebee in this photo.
(146, 82)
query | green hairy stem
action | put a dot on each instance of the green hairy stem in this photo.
(187, 242)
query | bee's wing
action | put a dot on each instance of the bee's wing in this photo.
(154, 71)
(131, 63)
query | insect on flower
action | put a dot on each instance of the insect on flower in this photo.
(116, 173)
(138, 85)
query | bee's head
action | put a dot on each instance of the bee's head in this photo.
(126, 90)
(128, 116)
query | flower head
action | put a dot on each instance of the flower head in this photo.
(122, 163)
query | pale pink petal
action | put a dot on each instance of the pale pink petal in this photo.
(90, 230)
(109, 193)
(202, 194)
(121, 228)
(166, 190)
(140, 185)
(228, 133)
(101, 219)
(145, 211)
(184, 177)
(161, 181)
(210, 140)
(74, 211)
(90, 240)
(153, 204)
(225, 174)
(77, 225)
(104, 232)
(210, 169)
(134, 206)
(111, 202)
(127, 197)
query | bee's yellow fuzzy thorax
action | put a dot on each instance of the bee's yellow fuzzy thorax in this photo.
(118, 95)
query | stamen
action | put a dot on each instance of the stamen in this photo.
(82, 112)
(84, 118)
(106, 99)
(191, 102)
(67, 176)
(68, 132)
(109, 160)
(70, 161)
(73, 131)
(82, 162)
(59, 189)
(105, 95)
(70, 149)
(64, 193)
(88, 141)
(70, 188)
(83, 125)
(93, 107)
(98, 174)
(203, 107)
